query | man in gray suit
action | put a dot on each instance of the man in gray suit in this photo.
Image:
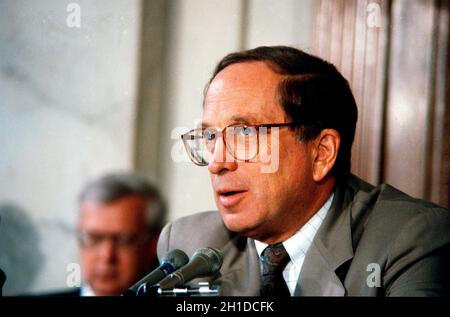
(276, 136)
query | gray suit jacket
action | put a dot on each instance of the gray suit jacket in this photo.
(368, 230)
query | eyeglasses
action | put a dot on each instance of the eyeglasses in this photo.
(241, 141)
(92, 240)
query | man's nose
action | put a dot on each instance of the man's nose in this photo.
(108, 250)
(221, 159)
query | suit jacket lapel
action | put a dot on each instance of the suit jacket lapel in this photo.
(242, 277)
(331, 248)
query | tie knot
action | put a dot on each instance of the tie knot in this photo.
(274, 258)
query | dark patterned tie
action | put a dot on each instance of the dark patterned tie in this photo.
(274, 259)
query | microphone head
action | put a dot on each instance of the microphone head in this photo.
(213, 257)
(176, 258)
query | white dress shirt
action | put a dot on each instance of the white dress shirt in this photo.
(297, 245)
(86, 290)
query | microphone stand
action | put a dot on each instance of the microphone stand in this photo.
(147, 290)
(203, 289)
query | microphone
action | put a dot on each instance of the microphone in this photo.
(171, 262)
(204, 262)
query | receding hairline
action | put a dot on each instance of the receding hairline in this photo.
(276, 69)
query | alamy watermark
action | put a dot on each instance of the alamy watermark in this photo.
(73, 19)
(73, 278)
(374, 17)
(374, 277)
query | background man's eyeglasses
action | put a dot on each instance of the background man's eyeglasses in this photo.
(92, 240)
(241, 141)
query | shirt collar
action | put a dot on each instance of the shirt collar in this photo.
(298, 244)
(86, 290)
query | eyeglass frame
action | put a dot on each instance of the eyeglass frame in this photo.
(222, 134)
(120, 240)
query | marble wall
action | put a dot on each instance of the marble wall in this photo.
(67, 111)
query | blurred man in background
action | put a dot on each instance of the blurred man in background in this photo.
(121, 216)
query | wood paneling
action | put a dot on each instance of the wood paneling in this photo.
(373, 97)
(399, 74)
(439, 163)
(343, 37)
(409, 92)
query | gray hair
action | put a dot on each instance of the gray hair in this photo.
(113, 186)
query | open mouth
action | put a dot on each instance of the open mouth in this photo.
(231, 198)
(231, 193)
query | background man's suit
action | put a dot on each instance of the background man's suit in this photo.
(367, 227)
(2, 281)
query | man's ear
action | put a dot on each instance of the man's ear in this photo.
(324, 153)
